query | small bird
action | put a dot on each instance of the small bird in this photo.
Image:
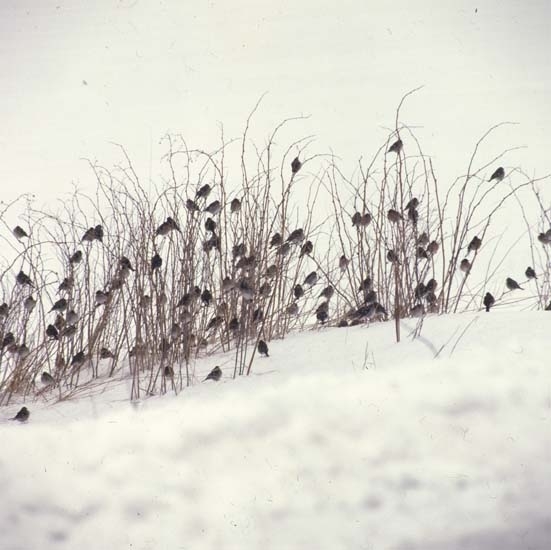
(102, 297)
(544, 238)
(19, 233)
(66, 284)
(475, 244)
(311, 279)
(433, 248)
(530, 273)
(125, 263)
(23, 279)
(105, 353)
(413, 203)
(271, 272)
(168, 371)
(210, 225)
(68, 332)
(284, 249)
(265, 290)
(235, 205)
(396, 147)
(263, 348)
(322, 316)
(498, 175)
(206, 296)
(296, 236)
(4, 310)
(432, 285)
(59, 321)
(292, 309)
(215, 374)
(228, 284)
(47, 379)
(60, 305)
(89, 235)
(246, 289)
(98, 233)
(413, 215)
(392, 257)
(78, 360)
(465, 265)
(356, 219)
(417, 310)
(233, 325)
(8, 340)
(213, 208)
(306, 249)
(488, 301)
(52, 332)
(343, 262)
(156, 262)
(22, 415)
(511, 284)
(276, 240)
(423, 239)
(29, 304)
(327, 292)
(239, 250)
(214, 323)
(163, 229)
(365, 285)
(296, 165)
(365, 220)
(394, 216)
(370, 297)
(192, 206)
(298, 292)
(203, 192)
(76, 257)
(421, 253)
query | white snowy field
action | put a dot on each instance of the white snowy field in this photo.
(340, 439)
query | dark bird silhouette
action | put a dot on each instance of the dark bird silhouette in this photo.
(71, 317)
(8, 339)
(365, 220)
(343, 262)
(192, 206)
(246, 289)
(60, 305)
(52, 332)
(29, 304)
(89, 235)
(213, 208)
(106, 353)
(488, 301)
(22, 415)
(475, 244)
(327, 292)
(421, 253)
(413, 215)
(392, 257)
(47, 379)
(19, 233)
(296, 236)
(432, 248)
(276, 240)
(215, 374)
(238, 250)
(311, 279)
(4, 310)
(210, 225)
(432, 285)
(235, 205)
(271, 272)
(511, 284)
(156, 262)
(394, 216)
(356, 219)
(417, 310)
(413, 203)
(465, 265)
(78, 359)
(365, 285)
(292, 309)
(298, 292)
(396, 147)
(498, 175)
(530, 273)
(66, 284)
(102, 297)
(203, 191)
(265, 290)
(322, 316)
(76, 257)
(23, 279)
(233, 325)
(423, 239)
(284, 249)
(263, 348)
(98, 233)
(125, 263)
(168, 371)
(296, 165)
(306, 249)
(206, 296)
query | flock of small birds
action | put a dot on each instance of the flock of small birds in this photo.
(67, 318)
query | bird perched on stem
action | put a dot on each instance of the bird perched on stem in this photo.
(156, 262)
(263, 348)
(23, 279)
(60, 305)
(296, 165)
(530, 273)
(76, 257)
(235, 205)
(203, 192)
(475, 244)
(215, 374)
(22, 415)
(465, 265)
(394, 216)
(296, 236)
(47, 379)
(306, 249)
(396, 147)
(511, 284)
(213, 208)
(498, 175)
(488, 301)
(52, 332)
(19, 233)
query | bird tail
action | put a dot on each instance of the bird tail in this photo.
(487, 308)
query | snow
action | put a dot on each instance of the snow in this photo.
(340, 439)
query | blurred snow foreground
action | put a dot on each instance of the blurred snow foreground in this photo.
(341, 439)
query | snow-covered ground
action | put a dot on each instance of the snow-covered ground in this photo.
(340, 439)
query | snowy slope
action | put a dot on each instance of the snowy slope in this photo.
(341, 439)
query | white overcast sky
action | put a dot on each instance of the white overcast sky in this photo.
(76, 75)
